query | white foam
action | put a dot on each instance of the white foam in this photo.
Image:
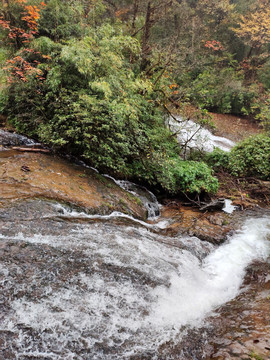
(228, 207)
(201, 288)
(71, 213)
(199, 137)
(120, 310)
(146, 196)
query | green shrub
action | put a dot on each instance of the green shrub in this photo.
(92, 103)
(261, 110)
(218, 159)
(251, 157)
(187, 176)
(221, 90)
(174, 175)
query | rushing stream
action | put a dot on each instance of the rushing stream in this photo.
(109, 287)
(192, 135)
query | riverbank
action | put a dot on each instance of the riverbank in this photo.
(235, 128)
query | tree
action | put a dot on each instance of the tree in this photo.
(19, 20)
(254, 31)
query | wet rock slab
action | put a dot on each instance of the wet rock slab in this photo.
(13, 139)
(52, 276)
(211, 226)
(242, 331)
(27, 175)
(45, 260)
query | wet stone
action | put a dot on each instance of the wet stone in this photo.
(81, 287)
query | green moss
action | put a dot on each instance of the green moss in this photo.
(138, 201)
(255, 356)
(122, 203)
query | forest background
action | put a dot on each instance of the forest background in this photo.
(99, 78)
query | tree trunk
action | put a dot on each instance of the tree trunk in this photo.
(135, 12)
(146, 36)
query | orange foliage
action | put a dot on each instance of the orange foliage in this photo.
(121, 12)
(17, 67)
(214, 45)
(30, 16)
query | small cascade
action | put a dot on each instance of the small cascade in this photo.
(78, 287)
(228, 207)
(197, 137)
(147, 197)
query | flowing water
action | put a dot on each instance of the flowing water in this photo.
(192, 135)
(77, 286)
(147, 197)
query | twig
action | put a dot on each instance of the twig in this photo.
(30, 149)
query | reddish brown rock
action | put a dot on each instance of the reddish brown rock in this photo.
(56, 178)
(209, 226)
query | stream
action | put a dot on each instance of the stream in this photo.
(193, 136)
(110, 287)
(77, 285)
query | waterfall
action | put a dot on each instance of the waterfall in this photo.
(101, 288)
(197, 137)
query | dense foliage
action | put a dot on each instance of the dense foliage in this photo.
(249, 158)
(92, 103)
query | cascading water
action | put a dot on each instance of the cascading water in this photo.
(147, 197)
(102, 288)
(197, 137)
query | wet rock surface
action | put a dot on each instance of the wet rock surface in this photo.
(55, 178)
(53, 268)
(8, 139)
(211, 226)
(242, 330)
(239, 330)
(44, 270)
(55, 257)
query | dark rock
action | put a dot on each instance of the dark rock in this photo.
(13, 139)
(25, 168)
(214, 205)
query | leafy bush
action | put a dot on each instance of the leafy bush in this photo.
(251, 157)
(218, 159)
(175, 175)
(261, 109)
(221, 90)
(91, 103)
(61, 20)
(187, 176)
